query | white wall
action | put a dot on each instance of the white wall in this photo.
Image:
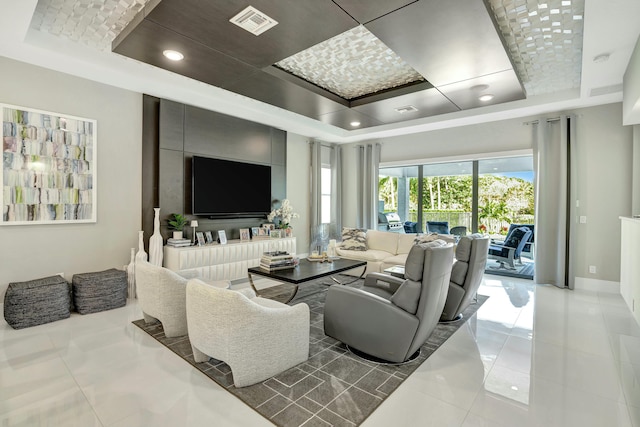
(604, 190)
(604, 155)
(33, 251)
(298, 188)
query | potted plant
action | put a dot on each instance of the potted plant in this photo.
(177, 223)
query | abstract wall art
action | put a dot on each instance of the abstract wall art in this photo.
(48, 167)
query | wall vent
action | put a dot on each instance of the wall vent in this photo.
(406, 109)
(254, 21)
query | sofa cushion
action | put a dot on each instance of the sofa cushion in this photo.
(354, 239)
(399, 259)
(405, 242)
(382, 240)
(369, 255)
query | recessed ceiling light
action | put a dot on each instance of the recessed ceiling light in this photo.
(479, 88)
(601, 58)
(406, 109)
(173, 55)
(485, 98)
(355, 123)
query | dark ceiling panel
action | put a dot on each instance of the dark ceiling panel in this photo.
(147, 41)
(301, 24)
(284, 94)
(343, 119)
(445, 41)
(504, 86)
(368, 10)
(428, 102)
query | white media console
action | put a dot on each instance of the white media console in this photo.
(223, 262)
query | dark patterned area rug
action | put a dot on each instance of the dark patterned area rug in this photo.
(522, 271)
(333, 387)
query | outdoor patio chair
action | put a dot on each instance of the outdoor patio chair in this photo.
(508, 252)
(440, 227)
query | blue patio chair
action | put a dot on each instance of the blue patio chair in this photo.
(440, 227)
(508, 252)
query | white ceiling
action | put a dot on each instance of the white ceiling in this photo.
(609, 27)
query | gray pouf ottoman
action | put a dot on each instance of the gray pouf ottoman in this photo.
(99, 291)
(36, 302)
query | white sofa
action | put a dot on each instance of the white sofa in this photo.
(386, 249)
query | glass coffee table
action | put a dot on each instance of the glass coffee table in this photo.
(307, 270)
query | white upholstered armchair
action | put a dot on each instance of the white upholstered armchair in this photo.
(161, 295)
(257, 337)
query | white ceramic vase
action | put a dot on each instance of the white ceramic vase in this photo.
(131, 275)
(155, 241)
(141, 255)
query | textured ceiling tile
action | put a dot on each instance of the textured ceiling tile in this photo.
(351, 64)
(92, 22)
(544, 41)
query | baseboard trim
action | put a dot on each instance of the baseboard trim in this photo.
(596, 285)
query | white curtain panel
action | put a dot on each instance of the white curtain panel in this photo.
(316, 168)
(334, 229)
(554, 148)
(368, 167)
(336, 192)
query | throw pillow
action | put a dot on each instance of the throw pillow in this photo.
(514, 238)
(425, 238)
(354, 239)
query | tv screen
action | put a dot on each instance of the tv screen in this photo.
(229, 189)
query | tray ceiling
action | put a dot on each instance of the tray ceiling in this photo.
(345, 60)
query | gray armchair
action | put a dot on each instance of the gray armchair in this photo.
(391, 318)
(440, 227)
(466, 275)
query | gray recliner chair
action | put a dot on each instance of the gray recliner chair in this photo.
(390, 318)
(466, 275)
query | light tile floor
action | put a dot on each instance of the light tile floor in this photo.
(533, 355)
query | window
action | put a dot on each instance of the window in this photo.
(325, 195)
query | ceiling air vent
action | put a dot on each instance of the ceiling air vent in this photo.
(406, 109)
(254, 21)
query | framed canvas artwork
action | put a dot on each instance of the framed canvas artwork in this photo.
(48, 167)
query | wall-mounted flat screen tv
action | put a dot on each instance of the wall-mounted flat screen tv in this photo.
(230, 189)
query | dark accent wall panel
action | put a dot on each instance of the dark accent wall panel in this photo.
(218, 135)
(172, 183)
(278, 147)
(150, 167)
(171, 125)
(174, 133)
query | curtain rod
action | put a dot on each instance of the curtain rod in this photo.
(535, 122)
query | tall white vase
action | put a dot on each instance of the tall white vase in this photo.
(131, 275)
(141, 255)
(155, 241)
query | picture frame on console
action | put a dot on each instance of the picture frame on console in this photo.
(244, 234)
(268, 226)
(255, 231)
(222, 237)
(200, 238)
(275, 234)
(208, 237)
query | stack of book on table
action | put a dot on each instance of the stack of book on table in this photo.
(278, 260)
(178, 243)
